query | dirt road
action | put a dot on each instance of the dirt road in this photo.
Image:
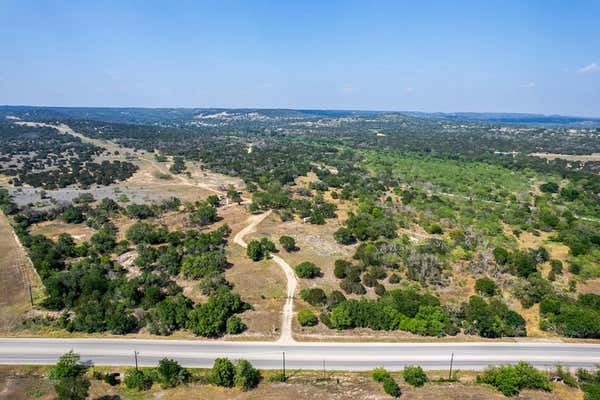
(292, 282)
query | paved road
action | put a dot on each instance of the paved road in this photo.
(268, 355)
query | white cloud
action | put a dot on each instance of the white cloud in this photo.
(528, 85)
(593, 67)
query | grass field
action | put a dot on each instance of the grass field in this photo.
(16, 277)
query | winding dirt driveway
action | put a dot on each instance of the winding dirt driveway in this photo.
(292, 282)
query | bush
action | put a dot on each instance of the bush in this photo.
(434, 229)
(222, 373)
(313, 296)
(341, 268)
(235, 325)
(69, 377)
(379, 289)
(171, 374)
(391, 387)
(486, 287)
(288, 243)
(246, 376)
(137, 379)
(414, 376)
(344, 236)
(389, 384)
(511, 379)
(307, 318)
(549, 187)
(394, 278)
(307, 270)
(557, 266)
(501, 255)
(380, 374)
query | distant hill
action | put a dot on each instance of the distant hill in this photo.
(170, 116)
(513, 118)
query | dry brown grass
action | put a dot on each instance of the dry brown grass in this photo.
(569, 157)
(53, 229)
(315, 242)
(31, 382)
(16, 277)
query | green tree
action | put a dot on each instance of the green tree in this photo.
(246, 376)
(222, 373)
(414, 376)
(307, 270)
(486, 286)
(288, 243)
(69, 378)
(235, 325)
(307, 318)
(255, 250)
(137, 379)
(171, 374)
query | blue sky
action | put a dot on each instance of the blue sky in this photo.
(501, 56)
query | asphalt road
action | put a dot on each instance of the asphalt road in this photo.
(268, 355)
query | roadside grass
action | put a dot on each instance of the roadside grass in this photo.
(31, 382)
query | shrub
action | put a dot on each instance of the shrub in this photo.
(255, 251)
(501, 255)
(391, 387)
(69, 377)
(341, 268)
(434, 229)
(171, 374)
(394, 278)
(486, 286)
(307, 270)
(307, 318)
(288, 243)
(314, 296)
(379, 289)
(344, 236)
(137, 379)
(414, 376)
(511, 379)
(369, 280)
(246, 376)
(557, 266)
(222, 373)
(379, 374)
(549, 187)
(389, 384)
(235, 325)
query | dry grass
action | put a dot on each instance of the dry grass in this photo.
(569, 157)
(31, 382)
(315, 242)
(53, 229)
(16, 277)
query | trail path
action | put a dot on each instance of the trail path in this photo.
(292, 282)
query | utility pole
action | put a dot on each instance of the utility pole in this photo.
(451, 362)
(323, 368)
(135, 354)
(30, 296)
(283, 365)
